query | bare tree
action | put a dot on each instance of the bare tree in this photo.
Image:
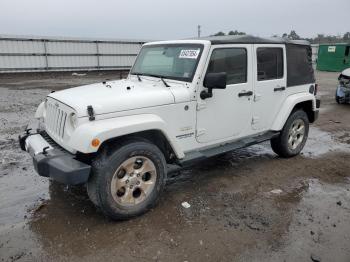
(236, 33)
(293, 35)
(219, 33)
(346, 36)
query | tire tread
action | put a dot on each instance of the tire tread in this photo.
(279, 144)
(100, 171)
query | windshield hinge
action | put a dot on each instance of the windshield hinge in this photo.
(201, 105)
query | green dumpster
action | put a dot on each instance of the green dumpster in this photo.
(333, 57)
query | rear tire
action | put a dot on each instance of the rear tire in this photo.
(293, 136)
(128, 181)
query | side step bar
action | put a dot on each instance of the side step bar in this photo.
(197, 156)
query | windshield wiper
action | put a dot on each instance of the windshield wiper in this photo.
(138, 76)
(161, 78)
(165, 83)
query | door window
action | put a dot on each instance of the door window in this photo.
(233, 61)
(270, 63)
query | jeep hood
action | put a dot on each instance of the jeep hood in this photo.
(121, 95)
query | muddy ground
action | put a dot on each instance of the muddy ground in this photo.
(249, 205)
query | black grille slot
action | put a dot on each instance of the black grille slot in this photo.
(52, 143)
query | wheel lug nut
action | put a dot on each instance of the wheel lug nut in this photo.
(138, 182)
(138, 175)
(130, 187)
(127, 181)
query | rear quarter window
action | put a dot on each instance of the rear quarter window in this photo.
(299, 65)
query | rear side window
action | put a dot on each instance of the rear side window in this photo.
(233, 61)
(270, 63)
(299, 65)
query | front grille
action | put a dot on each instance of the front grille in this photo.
(55, 120)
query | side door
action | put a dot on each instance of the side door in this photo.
(270, 81)
(227, 114)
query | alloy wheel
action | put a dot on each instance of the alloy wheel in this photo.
(296, 134)
(133, 181)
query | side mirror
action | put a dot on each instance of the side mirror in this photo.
(213, 81)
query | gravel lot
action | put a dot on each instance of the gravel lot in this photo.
(249, 205)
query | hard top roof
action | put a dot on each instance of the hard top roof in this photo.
(249, 39)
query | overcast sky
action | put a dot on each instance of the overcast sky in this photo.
(163, 19)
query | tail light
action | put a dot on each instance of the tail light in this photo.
(313, 89)
(316, 89)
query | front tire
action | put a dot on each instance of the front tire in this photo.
(293, 136)
(128, 181)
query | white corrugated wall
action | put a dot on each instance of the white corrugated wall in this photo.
(28, 54)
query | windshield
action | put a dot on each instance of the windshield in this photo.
(171, 61)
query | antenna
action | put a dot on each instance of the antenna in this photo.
(199, 31)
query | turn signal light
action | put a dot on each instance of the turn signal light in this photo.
(95, 142)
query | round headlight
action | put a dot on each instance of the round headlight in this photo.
(73, 120)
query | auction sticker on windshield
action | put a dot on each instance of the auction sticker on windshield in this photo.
(189, 53)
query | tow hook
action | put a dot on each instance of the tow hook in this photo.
(45, 150)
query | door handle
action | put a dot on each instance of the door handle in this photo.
(280, 88)
(244, 93)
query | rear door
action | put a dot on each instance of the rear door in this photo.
(270, 79)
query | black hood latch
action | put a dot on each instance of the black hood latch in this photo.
(91, 113)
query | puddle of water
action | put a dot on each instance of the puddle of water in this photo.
(20, 186)
(318, 228)
(321, 142)
(320, 225)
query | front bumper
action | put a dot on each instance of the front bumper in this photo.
(52, 161)
(343, 94)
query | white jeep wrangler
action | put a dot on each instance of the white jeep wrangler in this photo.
(183, 101)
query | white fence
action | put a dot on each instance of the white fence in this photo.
(38, 54)
(30, 54)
